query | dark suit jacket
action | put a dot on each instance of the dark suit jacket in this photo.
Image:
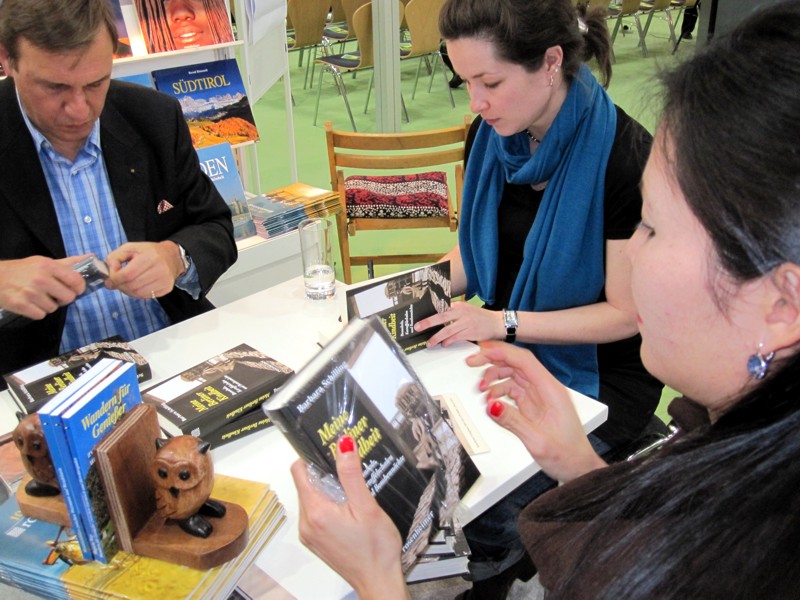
(149, 158)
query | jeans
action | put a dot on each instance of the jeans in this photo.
(493, 537)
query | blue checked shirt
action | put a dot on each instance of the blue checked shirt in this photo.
(89, 222)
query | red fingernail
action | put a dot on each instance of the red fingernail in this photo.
(496, 408)
(346, 444)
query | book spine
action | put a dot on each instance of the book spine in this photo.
(245, 425)
(203, 424)
(59, 453)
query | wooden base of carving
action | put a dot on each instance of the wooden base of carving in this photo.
(52, 509)
(165, 540)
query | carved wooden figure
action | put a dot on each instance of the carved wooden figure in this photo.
(32, 446)
(184, 475)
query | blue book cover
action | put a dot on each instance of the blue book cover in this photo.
(86, 423)
(35, 554)
(144, 79)
(218, 163)
(57, 444)
(214, 101)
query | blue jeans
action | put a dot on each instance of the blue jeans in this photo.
(493, 537)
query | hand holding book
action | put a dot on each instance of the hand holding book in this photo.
(356, 538)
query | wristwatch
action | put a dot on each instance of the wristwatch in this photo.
(184, 259)
(511, 323)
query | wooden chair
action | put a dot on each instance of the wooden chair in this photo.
(627, 8)
(422, 18)
(651, 7)
(307, 19)
(395, 181)
(348, 62)
(340, 31)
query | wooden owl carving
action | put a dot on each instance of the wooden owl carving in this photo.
(32, 446)
(184, 475)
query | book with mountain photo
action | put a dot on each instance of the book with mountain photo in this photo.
(362, 385)
(218, 163)
(214, 101)
(216, 391)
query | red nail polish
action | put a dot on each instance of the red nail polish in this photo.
(346, 444)
(496, 408)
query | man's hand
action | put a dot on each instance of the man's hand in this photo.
(36, 286)
(144, 269)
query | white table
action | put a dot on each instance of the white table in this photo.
(282, 323)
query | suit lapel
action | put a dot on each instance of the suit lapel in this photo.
(127, 172)
(23, 185)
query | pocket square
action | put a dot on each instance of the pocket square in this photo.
(164, 206)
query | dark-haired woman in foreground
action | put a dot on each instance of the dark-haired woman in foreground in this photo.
(716, 283)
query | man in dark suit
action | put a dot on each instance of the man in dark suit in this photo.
(94, 166)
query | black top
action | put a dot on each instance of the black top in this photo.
(630, 393)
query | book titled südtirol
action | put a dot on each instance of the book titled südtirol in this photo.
(213, 99)
(32, 386)
(402, 300)
(218, 164)
(73, 423)
(216, 391)
(361, 385)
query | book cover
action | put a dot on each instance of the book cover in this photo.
(123, 41)
(218, 163)
(401, 300)
(279, 211)
(144, 79)
(247, 424)
(85, 423)
(32, 386)
(216, 391)
(124, 458)
(362, 385)
(213, 99)
(57, 445)
(177, 25)
(45, 559)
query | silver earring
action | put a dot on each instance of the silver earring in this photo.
(551, 80)
(758, 364)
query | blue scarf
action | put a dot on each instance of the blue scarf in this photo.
(564, 249)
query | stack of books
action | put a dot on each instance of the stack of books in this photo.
(280, 211)
(33, 386)
(219, 399)
(44, 558)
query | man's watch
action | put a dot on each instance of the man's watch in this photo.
(184, 259)
(511, 323)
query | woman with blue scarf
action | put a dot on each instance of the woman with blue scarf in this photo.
(551, 195)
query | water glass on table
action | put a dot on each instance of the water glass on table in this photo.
(315, 248)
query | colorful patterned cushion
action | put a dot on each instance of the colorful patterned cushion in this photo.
(396, 196)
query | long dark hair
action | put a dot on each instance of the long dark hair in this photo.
(522, 31)
(716, 514)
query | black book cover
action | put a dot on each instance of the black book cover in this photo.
(401, 300)
(216, 391)
(361, 385)
(247, 424)
(33, 386)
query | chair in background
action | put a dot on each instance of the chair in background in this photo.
(349, 62)
(342, 31)
(628, 8)
(687, 8)
(388, 182)
(422, 18)
(307, 19)
(650, 8)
